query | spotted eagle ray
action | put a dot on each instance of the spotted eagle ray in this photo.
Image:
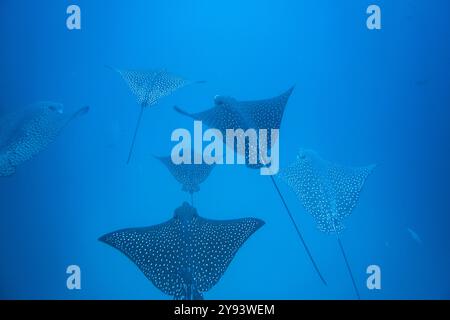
(189, 175)
(229, 113)
(27, 132)
(149, 86)
(329, 192)
(187, 255)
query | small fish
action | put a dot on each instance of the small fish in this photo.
(414, 236)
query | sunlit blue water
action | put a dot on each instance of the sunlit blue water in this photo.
(361, 97)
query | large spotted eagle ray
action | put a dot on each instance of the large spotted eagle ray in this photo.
(328, 191)
(230, 113)
(189, 175)
(187, 255)
(149, 86)
(27, 132)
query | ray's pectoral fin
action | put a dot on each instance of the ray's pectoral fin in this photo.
(348, 183)
(6, 168)
(224, 239)
(267, 113)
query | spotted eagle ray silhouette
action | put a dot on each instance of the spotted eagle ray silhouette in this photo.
(187, 255)
(189, 175)
(229, 113)
(328, 191)
(149, 86)
(27, 132)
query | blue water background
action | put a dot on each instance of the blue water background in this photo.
(361, 97)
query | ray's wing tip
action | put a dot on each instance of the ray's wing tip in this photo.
(80, 112)
(164, 160)
(106, 238)
(107, 66)
(103, 238)
(372, 167)
(287, 94)
(84, 110)
(181, 111)
(6, 175)
(290, 90)
(156, 157)
(259, 223)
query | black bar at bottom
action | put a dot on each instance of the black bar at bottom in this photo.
(267, 309)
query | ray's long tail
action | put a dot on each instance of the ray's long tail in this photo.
(298, 232)
(135, 134)
(181, 111)
(80, 112)
(348, 266)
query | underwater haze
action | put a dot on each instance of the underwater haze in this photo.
(372, 99)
